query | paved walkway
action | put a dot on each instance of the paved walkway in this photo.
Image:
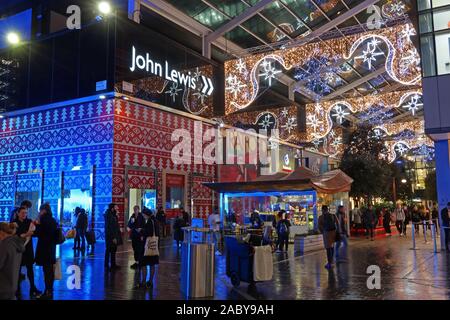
(405, 274)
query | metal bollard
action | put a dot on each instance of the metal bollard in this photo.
(413, 231)
(433, 235)
(424, 231)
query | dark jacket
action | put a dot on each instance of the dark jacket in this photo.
(11, 250)
(112, 228)
(151, 228)
(178, 233)
(283, 221)
(46, 232)
(256, 221)
(82, 222)
(369, 218)
(136, 222)
(28, 255)
(445, 218)
(161, 216)
(386, 218)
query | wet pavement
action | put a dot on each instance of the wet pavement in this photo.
(405, 274)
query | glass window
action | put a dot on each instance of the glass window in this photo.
(425, 23)
(423, 4)
(428, 59)
(440, 3)
(443, 53)
(174, 191)
(441, 19)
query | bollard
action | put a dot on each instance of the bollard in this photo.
(433, 235)
(424, 231)
(413, 231)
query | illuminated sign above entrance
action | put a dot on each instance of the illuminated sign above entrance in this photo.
(190, 80)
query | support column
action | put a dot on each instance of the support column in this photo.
(134, 10)
(442, 178)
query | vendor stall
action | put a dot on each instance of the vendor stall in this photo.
(301, 193)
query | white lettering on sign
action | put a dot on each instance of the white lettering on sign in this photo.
(145, 63)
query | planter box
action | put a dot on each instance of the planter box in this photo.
(303, 244)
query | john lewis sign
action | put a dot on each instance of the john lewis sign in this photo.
(164, 70)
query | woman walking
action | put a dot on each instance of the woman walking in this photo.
(387, 221)
(328, 225)
(25, 228)
(400, 220)
(46, 232)
(342, 230)
(151, 253)
(11, 249)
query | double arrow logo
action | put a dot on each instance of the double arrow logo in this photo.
(208, 87)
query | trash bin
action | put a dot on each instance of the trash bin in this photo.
(197, 263)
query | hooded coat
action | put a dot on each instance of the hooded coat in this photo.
(11, 250)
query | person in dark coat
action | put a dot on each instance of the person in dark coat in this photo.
(25, 203)
(445, 220)
(11, 249)
(435, 217)
(136, 226)
(25, 228)
(113, 237)
(186, 217)
(161, 218)
(283, 231)
(81, 229)
(46, 232)
(387, 221)
(255, 220)
(369, 219)
(328, 225)
(178, 233)
(150, 230)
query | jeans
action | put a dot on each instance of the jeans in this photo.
(370, 230)
(283, 240)
(49, 277)
(401, 226)
(110, 254)
(80, 238)
(217, 240)
(330, 255)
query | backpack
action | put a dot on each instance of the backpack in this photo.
(329, 223)
(283, 228)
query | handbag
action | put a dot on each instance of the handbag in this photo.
(71, 234)
(60, 238)
(58, 271)
(151, 244)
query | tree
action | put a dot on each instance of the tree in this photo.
(365, 163)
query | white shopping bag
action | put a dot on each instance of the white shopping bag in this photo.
(263, 264)
(151, 247)
(58, 271)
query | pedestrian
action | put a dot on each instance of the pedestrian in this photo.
(424, 218)
(255, 220)
(25, 203)
(76, 212)
(178, 232)
(11, 249)
(161, 218)
(113, 237)
(214, 225)
(46, 232)
(387, 221)
(435, 217)
(328, 225)
(150, 230)
(186, 217)
(25, 228)
(356, 212)
(400, 220)
(81, 229)
(343, 233)
(283, 226)
(136, 226)
(445, 220)
(369, 220)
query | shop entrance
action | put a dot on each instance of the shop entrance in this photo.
(142, 198)
(28, 186)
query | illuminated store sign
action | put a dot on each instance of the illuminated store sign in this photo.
(189, 80)
(287, 163)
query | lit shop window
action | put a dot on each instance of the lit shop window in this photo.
(174, 191)
(434, 27)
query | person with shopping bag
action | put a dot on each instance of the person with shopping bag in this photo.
(25, 228)
(47, 234)
(113, 237)
(150, 257)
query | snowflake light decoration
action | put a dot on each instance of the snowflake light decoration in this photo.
(290, 125)
(240, 66)
(370, 54)
(234, 85)
(200, 96)
(408, 32)
(339, 114)
(284, 112)
(401, 148)
(313, 121)
(269, 71)
(316, 143)
(337, 141)
(414, 104)
(268, 121)
(173, 91)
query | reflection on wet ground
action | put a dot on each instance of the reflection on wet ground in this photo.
(405, 274)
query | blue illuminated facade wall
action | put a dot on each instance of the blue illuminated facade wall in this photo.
(56, 140)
